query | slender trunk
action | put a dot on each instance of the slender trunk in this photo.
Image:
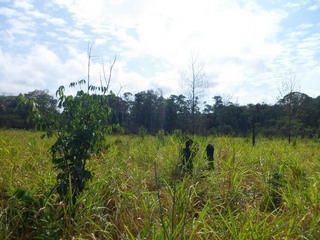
(254, 134)
(290, 118)
(289, 130)
(193, 100)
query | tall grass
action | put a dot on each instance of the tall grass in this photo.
(269, 191)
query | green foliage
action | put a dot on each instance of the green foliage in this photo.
(43, 109)
(276, 183)
(294, 115)
(142, 133)
(161, 136)
(80, 132)
(179, 135)
(39, 109)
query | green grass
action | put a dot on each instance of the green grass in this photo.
(270, 191)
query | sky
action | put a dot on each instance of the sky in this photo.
(245, 48)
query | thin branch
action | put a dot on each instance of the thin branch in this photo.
(103, 70)
(89, 62)
(110, 70)
(118, 94)
(107, 81)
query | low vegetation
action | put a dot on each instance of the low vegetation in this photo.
(269, 191)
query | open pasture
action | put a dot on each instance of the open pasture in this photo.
(269, 191)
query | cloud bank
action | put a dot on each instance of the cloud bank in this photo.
(247, 47)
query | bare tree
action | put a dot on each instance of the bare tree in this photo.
(194, 83)
(106, 78)
(287, 99)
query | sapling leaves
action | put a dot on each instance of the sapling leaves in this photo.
(79, 129)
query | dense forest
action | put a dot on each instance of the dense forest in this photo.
(296, 114)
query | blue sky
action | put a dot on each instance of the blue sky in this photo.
(247, 48)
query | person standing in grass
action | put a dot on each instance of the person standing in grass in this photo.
(210, 156)
(187, 157)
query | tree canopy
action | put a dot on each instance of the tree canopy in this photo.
(149, 110)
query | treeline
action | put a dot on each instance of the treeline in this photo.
(295, 114)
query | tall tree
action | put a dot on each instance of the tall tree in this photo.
(12, 113)
(194, 83)
(127, 112)
(46, 106)
(148, 111)
(171, 114)
(177, 114)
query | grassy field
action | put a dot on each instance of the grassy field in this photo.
(270, 191)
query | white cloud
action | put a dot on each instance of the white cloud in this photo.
(295, 6)
(25, 5)
(310, 80)
(83, 11)
(237, 40)
(170, 30)
(305, 26)
(181, 26)
(22, 25)
(39, 68)
(8, 12)
(315, 6)
(57, 21)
